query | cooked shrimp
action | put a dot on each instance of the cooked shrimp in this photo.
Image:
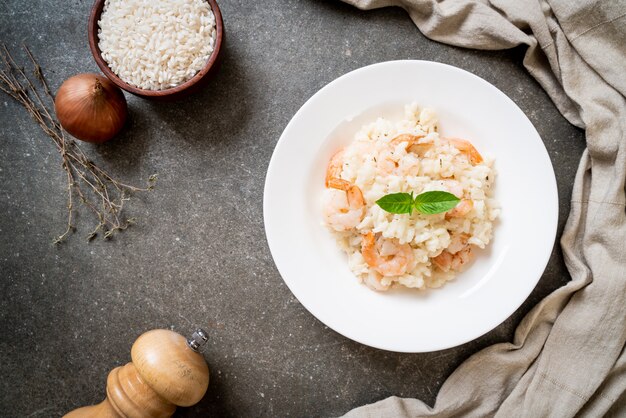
(385, 162)
(466, 148)
(345, 207)
(333, 173)
(408, 138)
(387, 256)
(463, 208)
(447, 261)
(412, 143)
(455, 256)
(420, 148)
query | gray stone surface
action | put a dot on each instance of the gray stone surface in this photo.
(198, 256)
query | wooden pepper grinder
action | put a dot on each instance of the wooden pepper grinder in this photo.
(166, 371)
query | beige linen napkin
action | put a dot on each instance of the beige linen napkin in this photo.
(567, 357)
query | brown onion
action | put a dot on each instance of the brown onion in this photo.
(91, 107)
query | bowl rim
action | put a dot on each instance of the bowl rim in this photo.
(94, 16)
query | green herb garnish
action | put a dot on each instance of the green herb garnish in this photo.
(428, 203)
(397, 203)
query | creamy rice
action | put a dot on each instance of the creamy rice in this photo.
(379, 167)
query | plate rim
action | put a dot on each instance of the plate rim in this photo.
(552, 208)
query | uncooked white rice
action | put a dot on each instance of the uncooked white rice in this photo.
(156, 44)
(379, 167)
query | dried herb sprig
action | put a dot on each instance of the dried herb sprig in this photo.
(104, 195)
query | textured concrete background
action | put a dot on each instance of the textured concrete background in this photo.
(198, 256)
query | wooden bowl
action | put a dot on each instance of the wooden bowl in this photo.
(174, 93)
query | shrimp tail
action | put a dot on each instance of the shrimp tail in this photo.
(355, 197)
(468, 149)
(394, 264)
(333, 172)
(339, 184)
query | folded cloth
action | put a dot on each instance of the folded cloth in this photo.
(567, 357)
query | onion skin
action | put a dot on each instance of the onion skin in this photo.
(90, 107)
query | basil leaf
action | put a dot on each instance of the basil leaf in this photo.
(430, 203)
(396, 203)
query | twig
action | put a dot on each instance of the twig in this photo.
(103, 194)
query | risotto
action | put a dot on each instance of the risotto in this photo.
(414, 249)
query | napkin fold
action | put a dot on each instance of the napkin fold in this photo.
(568, 356)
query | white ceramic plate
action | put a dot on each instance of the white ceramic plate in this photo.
(482, 296)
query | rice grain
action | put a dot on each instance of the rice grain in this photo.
(156, 44)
